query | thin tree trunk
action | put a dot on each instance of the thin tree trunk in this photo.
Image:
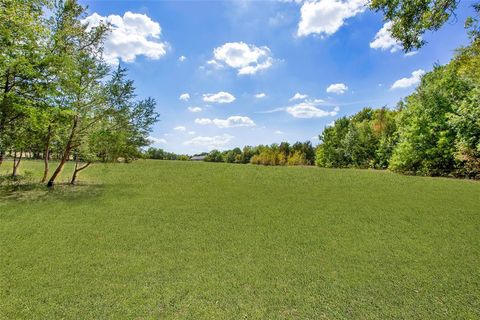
(16, 163)
(46, 154)
(3, 120)
(77, 170)
(14, 168)
(66, 154)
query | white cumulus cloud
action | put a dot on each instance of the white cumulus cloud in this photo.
(182, 58)
(132, 35)
(298, 96)
(155, 140)
(230, 122)
(384, 41)
(210, 142)
(260, 95)
(180, 128)
(184, 97)
(219, 97)
(308, 109)
(411, 53)
(245, 58)
(338, 88)
(325, 17)
(194, 109)
(414, 79)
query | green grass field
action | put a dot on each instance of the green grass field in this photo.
(183, 240)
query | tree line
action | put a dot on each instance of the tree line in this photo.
(299, 153)
(435, 131)
(58, 98)
(160, 154)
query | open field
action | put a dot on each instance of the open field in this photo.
(183, 240)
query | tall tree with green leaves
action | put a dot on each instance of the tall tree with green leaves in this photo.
(80, 72)
(23, 30)
(122, 131)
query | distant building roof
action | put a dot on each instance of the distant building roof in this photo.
(197, 158)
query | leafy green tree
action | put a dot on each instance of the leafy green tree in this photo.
(297, 158)
(466, 118)
(412, 18)
(466, 124)
(214, 156)
(232, 156)
(122, 127)
(247, 153)
(363, 140)
(160, 154)
(22, 63)
(305, 148)
(126, 128)
(426, 140)
(80, 75)
(331, 151)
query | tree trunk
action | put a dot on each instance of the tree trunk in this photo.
(3, 120)
(46, 154)
(66, 154)
(14, 172)
(16, 163)
(77, 170)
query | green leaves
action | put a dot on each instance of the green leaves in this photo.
(439, 130)
(365, 140)
(412, 18)
(53, 93)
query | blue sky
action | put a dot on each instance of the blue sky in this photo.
(242, 62)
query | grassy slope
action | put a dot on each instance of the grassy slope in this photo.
(199, 240)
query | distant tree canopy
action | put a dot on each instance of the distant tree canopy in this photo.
(160, 154)
(58, 98)
(434, 131)
(299, 153)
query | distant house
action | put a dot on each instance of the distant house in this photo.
(197, 158)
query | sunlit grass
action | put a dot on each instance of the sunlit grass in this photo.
(159, 239)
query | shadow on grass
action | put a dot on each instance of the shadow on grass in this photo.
(24, 188)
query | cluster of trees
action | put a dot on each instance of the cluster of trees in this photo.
(299, 153)
(439, 124)
(364, 140)
(160, 154)
(58, 98)
(434, 131)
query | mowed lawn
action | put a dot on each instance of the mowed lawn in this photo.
(184, 240)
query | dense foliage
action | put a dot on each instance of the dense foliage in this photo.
(160, 154)
(434, 131)
(364, 140)
(439, 124)
(299, 153)
(58, 98)
(410, 19)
